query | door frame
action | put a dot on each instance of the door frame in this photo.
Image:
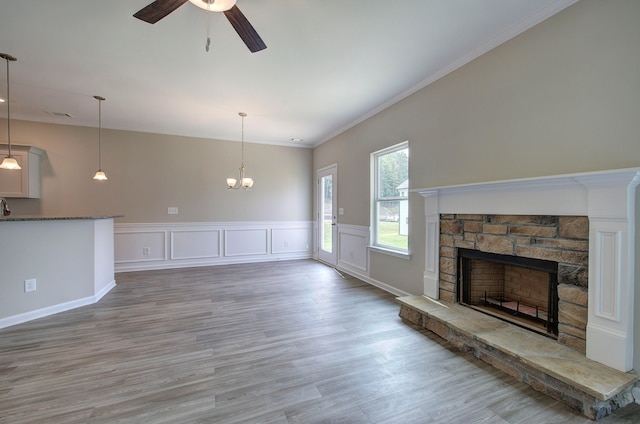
(330, 258)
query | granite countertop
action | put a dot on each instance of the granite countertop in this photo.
(11, 218)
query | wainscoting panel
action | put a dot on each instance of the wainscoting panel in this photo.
(291, 240)
(195, 244)
(148, 246)
(246, 242)
(143, 245)
(352, 248)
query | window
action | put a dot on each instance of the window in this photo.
(390, 206)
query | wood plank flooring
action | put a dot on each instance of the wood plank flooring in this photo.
(280, 342)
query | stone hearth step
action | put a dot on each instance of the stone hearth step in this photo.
(591, 388)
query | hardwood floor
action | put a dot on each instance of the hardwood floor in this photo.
(282, 342)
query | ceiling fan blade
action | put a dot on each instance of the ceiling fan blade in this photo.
(157, 10)
(245, 30)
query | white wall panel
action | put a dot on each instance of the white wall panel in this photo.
(245, 242)
(195, 244)
(140, 246)
(178, 245)
(288, 240)
(352, 247)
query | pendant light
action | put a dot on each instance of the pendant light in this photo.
(9, 162)
(100, 175)
(244, 182)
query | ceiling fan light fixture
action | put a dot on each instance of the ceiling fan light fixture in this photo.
(214, 5)
(159, 9)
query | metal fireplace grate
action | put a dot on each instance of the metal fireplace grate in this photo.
(542, 319)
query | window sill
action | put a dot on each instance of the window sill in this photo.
(397, 254)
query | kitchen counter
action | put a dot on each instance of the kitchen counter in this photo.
(12, 218)
(53, 263)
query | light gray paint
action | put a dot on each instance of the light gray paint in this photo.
(150, 172)
(560, 98)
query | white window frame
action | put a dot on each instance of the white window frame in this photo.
(375, 245)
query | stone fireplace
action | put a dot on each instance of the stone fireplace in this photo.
(555, 254)
(531, 270)
(584, 222)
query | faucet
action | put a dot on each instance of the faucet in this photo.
(5, 207)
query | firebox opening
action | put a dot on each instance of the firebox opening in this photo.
(520, 290)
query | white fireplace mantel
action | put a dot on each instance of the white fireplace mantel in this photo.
(606, 197)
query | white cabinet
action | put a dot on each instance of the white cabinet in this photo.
(25, 182)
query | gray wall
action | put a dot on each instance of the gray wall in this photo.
(560, 98)
(636, 321)
(150, 172)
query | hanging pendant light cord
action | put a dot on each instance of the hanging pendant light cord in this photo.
(208, 44)
(8, 110)
(99, 134)
(99, 99)
(242, 144)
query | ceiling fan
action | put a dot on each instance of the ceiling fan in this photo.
(158, 9)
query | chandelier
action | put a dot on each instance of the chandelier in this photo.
(243, 182)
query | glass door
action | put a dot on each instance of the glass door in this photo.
(327, 213)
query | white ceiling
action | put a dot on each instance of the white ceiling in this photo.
(328, 65)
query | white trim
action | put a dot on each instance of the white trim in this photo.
(327, 257)
(389, 289)
(374, 200)
(54, 309)
(172, 241)
(106, 289)
(352, 248)
(390, 252)
(130, 256)
(261, 248)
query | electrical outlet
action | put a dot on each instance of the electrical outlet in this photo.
(30, 285)
(172, 210)
(146, 251)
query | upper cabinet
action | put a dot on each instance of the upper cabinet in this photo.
(23, 183)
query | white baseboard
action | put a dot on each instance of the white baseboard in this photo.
(389, 289)
(386, 287)
(54, 309)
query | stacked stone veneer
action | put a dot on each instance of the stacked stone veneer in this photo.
(563, 239)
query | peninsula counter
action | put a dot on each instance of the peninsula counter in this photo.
(71, 259)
